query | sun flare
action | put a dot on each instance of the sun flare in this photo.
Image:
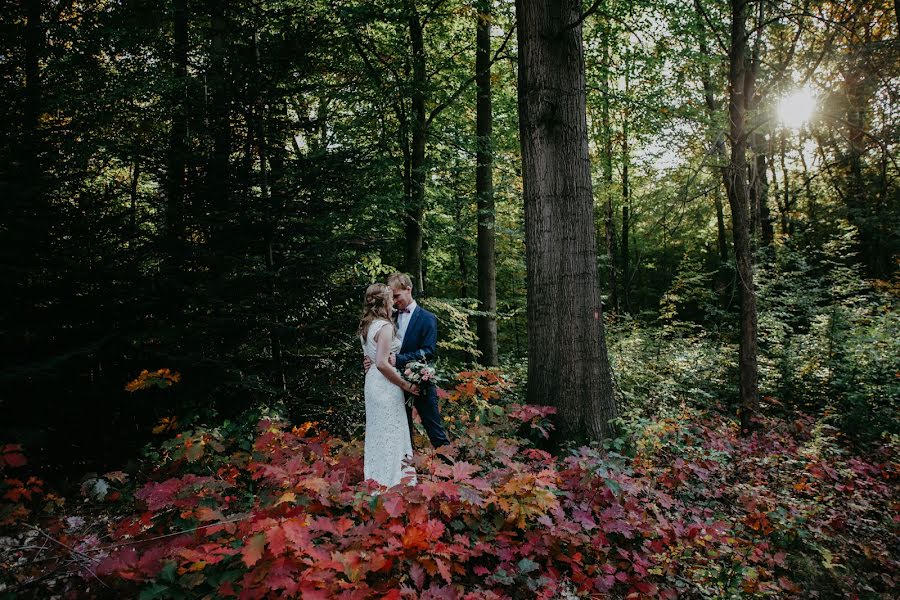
(795, 109)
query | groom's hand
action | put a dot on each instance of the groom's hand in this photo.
(392, 359)
(367, 363)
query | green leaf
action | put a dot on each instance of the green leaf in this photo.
(527, 566)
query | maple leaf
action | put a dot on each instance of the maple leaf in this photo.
(394, 504)
(415, 538)
(417, 574)
(277, 540)
(463, 470)
(286, 497)
(253, 549)
(297, 533)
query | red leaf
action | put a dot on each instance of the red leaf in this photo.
(253, 550)
(394, 505)
(14, 459)
(417, 573)
(277, 541)
(463, 470)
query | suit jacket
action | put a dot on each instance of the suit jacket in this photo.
(420, 340)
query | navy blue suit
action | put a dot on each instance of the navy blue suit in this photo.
(420, 342)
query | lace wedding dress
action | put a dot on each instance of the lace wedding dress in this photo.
(387, 433)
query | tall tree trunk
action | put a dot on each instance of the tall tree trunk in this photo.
(758, 175)
(720, 226)
(269, 232)
(735, 175)
(759, 190)
(811, 215)
(177, 173)
(34, 42)
(415, 212)
(484, 188)
(861, 210)
(219, 171)
(712, 107)
(608, 221)
(787, 221)
(626, 195)
(568, 366)
(135, 180)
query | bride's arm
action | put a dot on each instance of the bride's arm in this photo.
(382, 355)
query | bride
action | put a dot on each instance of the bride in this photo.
(387, 432)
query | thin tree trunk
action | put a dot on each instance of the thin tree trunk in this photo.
(219, 172)
(568, 366)
(712, 106)
(269, 240)
(787, 227)
(811, 215)
(626, 197)
(415, 212)
(735, 175)
(34, 42)
(608, 221)
(177, 173)
(759, 189)
(135, 179)
(484, 189)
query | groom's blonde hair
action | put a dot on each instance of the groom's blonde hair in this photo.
(399, 280)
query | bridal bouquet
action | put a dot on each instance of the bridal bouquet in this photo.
(421, 374)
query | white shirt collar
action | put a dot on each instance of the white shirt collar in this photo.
(411, 307)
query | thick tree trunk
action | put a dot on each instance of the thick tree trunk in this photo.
(735, 175)
(415, 212)
(484, 189)
(568, 366)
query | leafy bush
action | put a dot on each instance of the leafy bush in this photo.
(686, 508)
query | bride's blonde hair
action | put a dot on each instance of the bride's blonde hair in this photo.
(378, 304)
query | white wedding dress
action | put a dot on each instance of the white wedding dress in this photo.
(387, 432)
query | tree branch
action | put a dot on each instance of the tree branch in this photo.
(462, 88)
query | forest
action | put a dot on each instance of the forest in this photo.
(661, 239)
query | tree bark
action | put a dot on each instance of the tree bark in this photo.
(484, 189)
(787, 221)
(177, 172)
(415, 211)
(626, 209)
(568, 366)
(759, 190)
(735, 175)
(712, 106)
(269, 239)
(608, 221)
(219, 171)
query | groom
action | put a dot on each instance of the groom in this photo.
(417, 331)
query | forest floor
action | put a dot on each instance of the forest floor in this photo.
(680, 506)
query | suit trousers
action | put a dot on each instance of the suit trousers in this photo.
(427, 406)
